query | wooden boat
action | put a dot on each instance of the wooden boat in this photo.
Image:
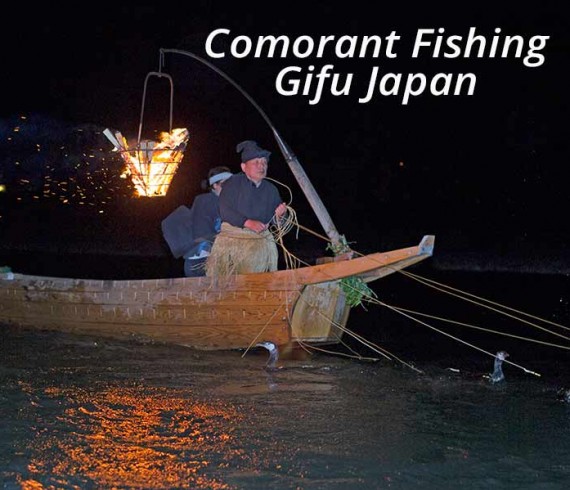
(304, 305)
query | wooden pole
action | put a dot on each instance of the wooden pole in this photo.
(311, 194)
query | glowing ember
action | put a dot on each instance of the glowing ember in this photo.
(151, 164)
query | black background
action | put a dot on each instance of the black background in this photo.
(487, 174)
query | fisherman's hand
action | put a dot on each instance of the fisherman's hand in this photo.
(280, 210)
(254, 225)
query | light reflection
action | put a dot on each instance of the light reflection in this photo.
(136, 437)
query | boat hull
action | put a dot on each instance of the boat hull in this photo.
(301, 305)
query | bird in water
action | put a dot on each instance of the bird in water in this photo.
(273, 354)
(563, 394)
(497, 374)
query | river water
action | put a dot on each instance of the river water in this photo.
(83, 412)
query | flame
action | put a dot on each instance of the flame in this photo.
(152, 165)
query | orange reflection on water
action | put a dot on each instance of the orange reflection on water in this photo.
(31, 485)
(138, 437)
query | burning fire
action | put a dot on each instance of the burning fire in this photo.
(151, 164)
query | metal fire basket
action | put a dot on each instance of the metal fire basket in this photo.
(152, 164)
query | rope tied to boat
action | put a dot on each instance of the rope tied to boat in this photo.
(370, 298)
(290, 221)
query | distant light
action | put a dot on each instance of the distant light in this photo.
(2, 188)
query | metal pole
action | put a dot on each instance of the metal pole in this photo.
(160, 75)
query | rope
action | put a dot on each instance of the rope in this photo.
(286, 187)
(261, 331)
(373, 347)
(308, 349)
(482, 328)
(379, 350)
(280, 229)
(284, 226)
(452, 336)
(427, 283)
(347, 347)
(487, 300)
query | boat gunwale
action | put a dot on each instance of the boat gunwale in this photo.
(281, 279)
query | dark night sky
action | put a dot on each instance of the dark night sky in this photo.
(485, 173)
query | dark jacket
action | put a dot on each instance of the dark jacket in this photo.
(241, 200)
(189, 230)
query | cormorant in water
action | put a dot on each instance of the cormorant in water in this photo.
(273, 354)
(498, 369)
(563, 394)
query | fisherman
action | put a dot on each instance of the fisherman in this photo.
(248, 205)
(190, 232)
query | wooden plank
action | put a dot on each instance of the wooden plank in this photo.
(129, 297)
(386, 271)
(39, 313)
(285, 279)
(318, 305)
(263, 281)
(338, 270)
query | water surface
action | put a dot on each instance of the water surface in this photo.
(80, 412)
